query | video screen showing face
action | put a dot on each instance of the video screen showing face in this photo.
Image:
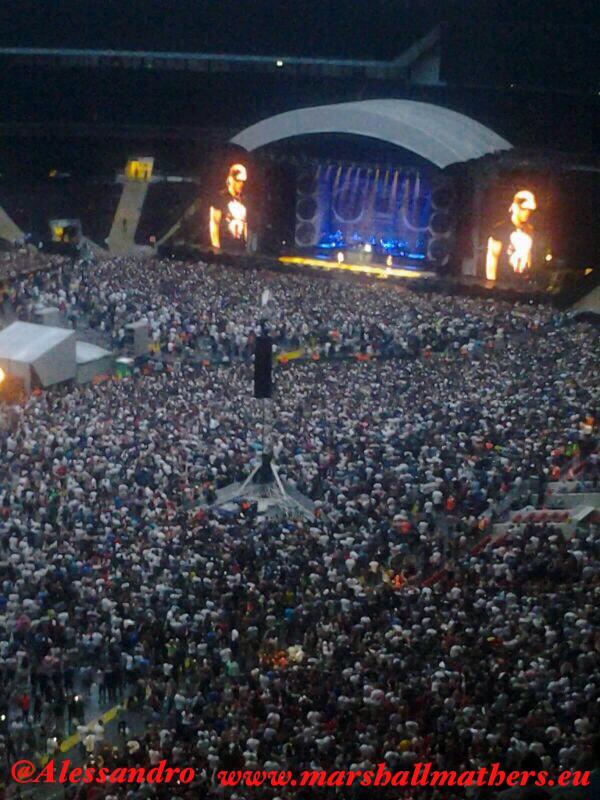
(228, 213)
(243, 204)
(516, 227)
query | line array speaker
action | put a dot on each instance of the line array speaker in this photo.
(263, 368)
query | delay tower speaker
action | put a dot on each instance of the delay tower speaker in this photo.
(263, 377)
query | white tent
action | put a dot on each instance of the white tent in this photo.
(38, 354)
(91, 361)
(589, 304)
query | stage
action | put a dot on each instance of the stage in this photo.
(376, 270)
(520, 289)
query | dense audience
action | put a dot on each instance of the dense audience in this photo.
(187, 303)
(337, 643)
(26, 259)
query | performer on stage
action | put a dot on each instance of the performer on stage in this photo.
(228, 214)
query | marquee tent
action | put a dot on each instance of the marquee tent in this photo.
(39, 355)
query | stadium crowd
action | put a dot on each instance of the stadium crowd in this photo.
(243, 642)
(187, 303)
(26, 260)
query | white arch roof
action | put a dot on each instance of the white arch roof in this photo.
(438, 134)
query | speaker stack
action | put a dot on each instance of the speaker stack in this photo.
(308, 212)
(263, 368)
(442, 222)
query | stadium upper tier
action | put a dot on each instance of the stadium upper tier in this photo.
(211, 62)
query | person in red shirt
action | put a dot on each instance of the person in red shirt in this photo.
(24, 703)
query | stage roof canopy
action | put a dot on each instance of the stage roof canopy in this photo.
(435, 133)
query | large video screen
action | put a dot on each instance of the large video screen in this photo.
(225, 212)
(517, 227)
(228, 213)
(227, 219)
(242, 204)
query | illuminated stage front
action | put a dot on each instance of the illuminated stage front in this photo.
(377, 270)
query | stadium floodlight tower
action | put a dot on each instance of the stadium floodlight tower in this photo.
(274, 497)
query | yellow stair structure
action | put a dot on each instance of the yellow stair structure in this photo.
(121, 239)
(136, 180)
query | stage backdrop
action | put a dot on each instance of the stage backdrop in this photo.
(404, 212)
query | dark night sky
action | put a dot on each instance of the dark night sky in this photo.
(540, 42)
(345, 28)
(529, 70)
